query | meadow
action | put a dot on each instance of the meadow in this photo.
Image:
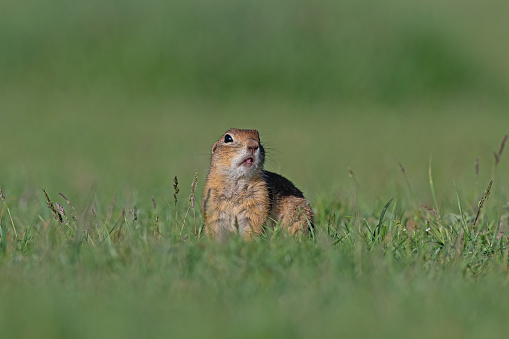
(390, 116)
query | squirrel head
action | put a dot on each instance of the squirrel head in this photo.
(238, 153)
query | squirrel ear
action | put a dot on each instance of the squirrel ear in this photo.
(214, 147)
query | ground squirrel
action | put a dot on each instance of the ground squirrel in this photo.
(241, 197)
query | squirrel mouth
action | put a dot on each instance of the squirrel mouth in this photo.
(248, 162)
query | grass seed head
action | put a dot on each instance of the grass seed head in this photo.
(192, 197)
(350, 173)
(175, 189)
(2, 196)
(500, 150)
(61, 209)
(94, 214)
(52, 208)
(482, 201)
(134, 213)
(402, 169)
(433, 212)
(73, 210)
(65, 198)
(62, 212)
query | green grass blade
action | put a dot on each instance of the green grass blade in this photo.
(378, 228)
(432, 186)
(462, 216)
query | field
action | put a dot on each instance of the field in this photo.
(390, 116)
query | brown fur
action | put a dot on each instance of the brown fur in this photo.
(241, 197)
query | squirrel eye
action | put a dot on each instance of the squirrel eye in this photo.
(228, 138)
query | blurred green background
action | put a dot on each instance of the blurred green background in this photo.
(109, 100)
(114, 96)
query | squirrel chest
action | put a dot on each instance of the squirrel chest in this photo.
(233, 207)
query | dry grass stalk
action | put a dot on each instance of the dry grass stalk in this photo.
(52, 208)
(191, 204)
(8, 211)
(500, 150)
(62, 212)
(192, 197)
(94, 214)
(433, 212)
(482, 201)
(176, 189)
(73, 214)
(134, 213)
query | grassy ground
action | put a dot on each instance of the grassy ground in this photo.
(357, 103)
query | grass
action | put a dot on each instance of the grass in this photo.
(390, 117)
(143, 270)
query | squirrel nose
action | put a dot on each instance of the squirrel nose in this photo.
(252, 145)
